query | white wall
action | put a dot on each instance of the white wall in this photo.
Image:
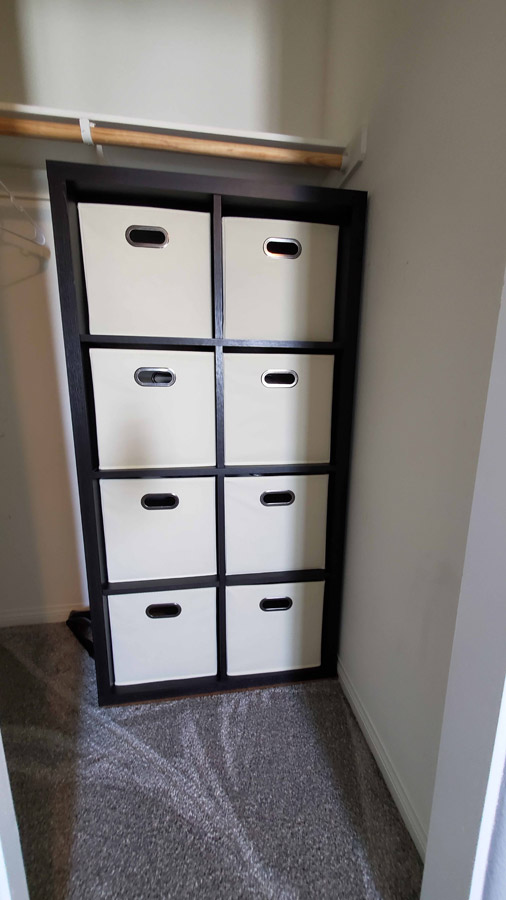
(40, 550)
(477, 673)
(496, 877)
(254, 65)
(361, 37)
(12, 873)
(435, 261)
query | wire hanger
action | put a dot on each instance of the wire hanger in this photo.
(39, 237)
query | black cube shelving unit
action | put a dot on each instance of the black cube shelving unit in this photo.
(71, 184)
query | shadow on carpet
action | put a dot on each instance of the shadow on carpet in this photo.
(260, 794)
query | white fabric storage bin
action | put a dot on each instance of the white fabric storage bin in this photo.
(159, 527)
(278, 408)
(274, 627)
(154, 408)
(147, 270)
(279, 279)
(275, 523)
(163, 635)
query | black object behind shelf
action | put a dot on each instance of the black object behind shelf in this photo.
(79, 622)
(70, 184)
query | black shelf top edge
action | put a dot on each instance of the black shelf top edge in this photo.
(237, 346)
(200, 581)
(177, 472)
(163, 584)
(103, 182)
(148, 341)
(109, 341)
(215, 471)
(299, 575)
(294, 469)
(178, 689)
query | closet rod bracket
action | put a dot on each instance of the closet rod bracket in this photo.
(85, 125)
(353, 157)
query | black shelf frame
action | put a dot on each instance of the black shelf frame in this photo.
(229, 346)
(70, 184)
(202, 471)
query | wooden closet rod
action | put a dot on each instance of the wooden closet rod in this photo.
(150, 140)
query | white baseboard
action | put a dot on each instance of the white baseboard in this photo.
(34, 615)
(388, 770)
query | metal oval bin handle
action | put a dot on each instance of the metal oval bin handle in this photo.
(282, 248)
(153, 236)
(277, 498)
(276, 604)
(160, 501)
(149, 376)
(285, 378)
(163, 611)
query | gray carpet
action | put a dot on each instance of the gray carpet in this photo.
(260, 794)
